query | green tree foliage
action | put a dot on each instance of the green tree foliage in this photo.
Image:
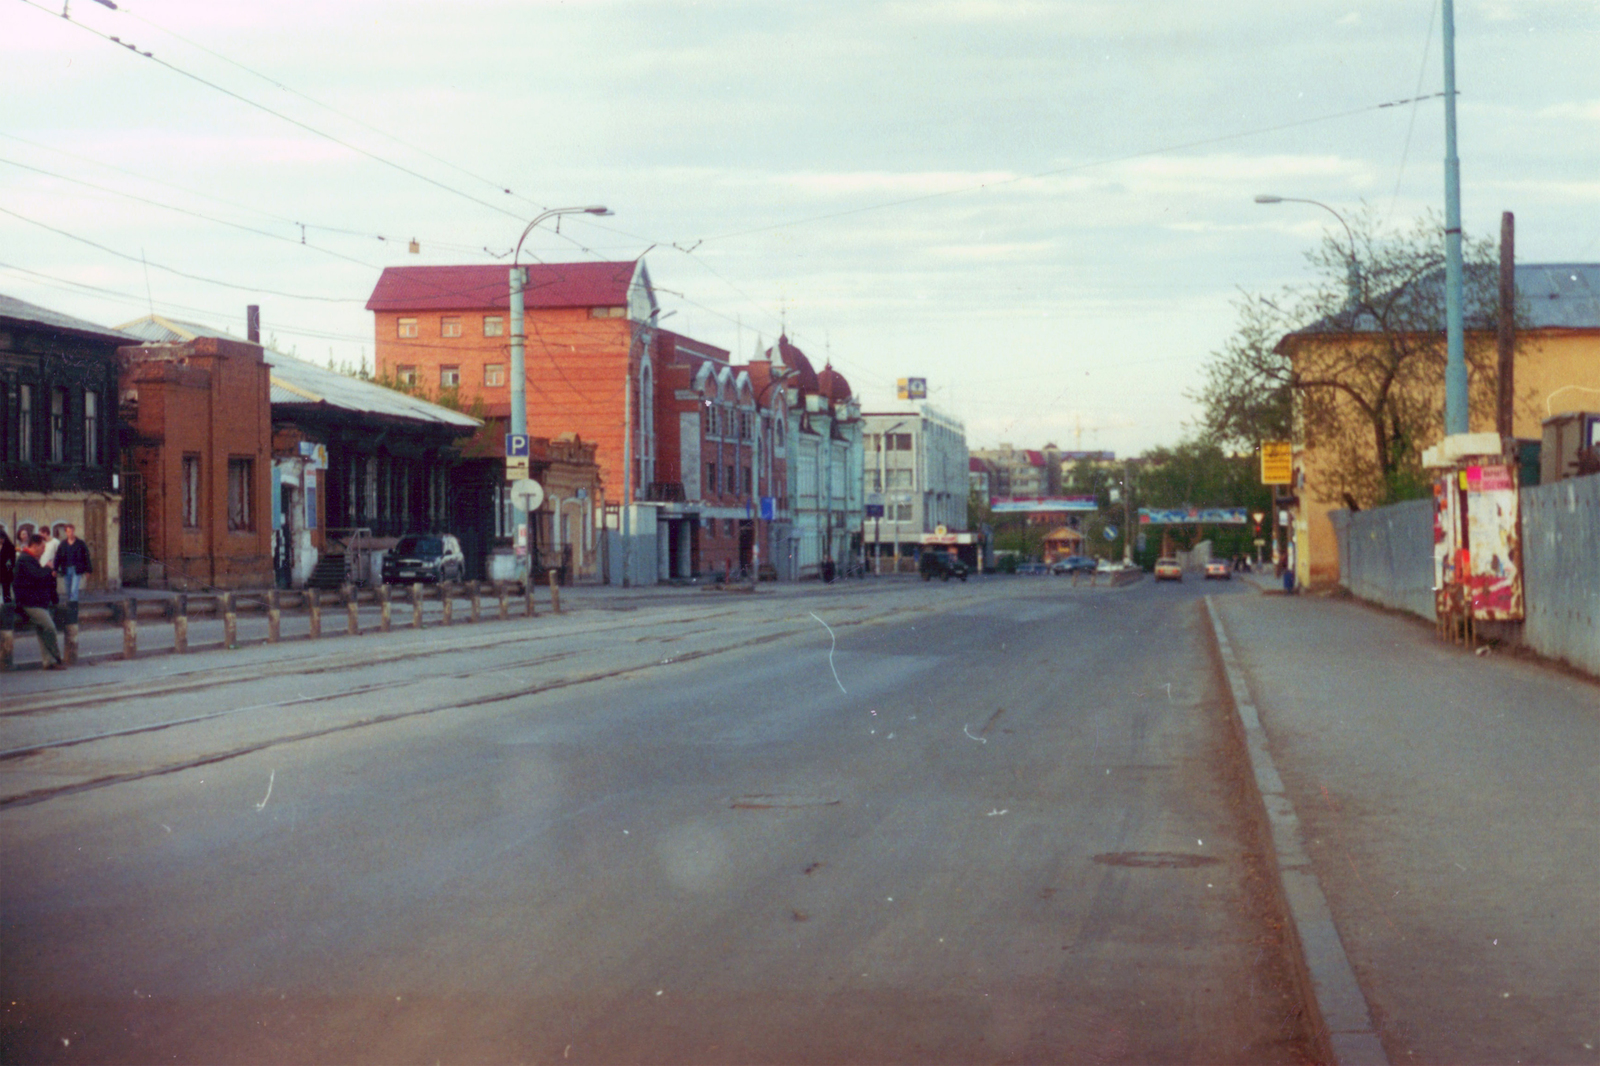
(1352, 363)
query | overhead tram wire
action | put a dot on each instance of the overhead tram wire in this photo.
(1091, 164)
(328, 107)
(375, 157)
(193, 213)
(343, 230)
(174, 270)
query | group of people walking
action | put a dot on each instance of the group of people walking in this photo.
(31, 572)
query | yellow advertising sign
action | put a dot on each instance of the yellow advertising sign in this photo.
(1277, 462)
(913, 388)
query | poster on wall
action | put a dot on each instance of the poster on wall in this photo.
(1492, 559)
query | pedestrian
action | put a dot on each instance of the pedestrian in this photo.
(36, 594)
(8, 565)
(52, 544)
(73, 562)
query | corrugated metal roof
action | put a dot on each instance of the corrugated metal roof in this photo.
(294, 381)
(25, 313)
(1554, 295)
(487, 287)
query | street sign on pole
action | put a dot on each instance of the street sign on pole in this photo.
(1277, 462)
(528, 493)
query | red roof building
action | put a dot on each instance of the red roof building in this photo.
(446, 330)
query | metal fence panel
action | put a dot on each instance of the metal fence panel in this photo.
(1386, 555)
(1561, 570)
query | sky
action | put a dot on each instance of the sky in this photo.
(1044, 208)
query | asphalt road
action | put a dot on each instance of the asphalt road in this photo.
(886, 822)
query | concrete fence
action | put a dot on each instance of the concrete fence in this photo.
(1386, 556)
(1561, 570)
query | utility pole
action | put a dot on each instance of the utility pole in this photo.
(1127, 512)
(1508, 325)
(1455, 373)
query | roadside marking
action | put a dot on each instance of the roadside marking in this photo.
(1342, 1011)
(835, 644)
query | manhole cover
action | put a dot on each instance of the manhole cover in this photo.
(779, 801)
(1163, 860)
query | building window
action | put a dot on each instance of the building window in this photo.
(732, 483)
(449, 377)
(406, 375)
(900, 512)
(58, 425)
(191, 491)
(778, 426)
(727, 528)
(25, 423)
(711, 477)
(450, 327)
(91, 428)
(494, 326)
(494, 375)
(241, 486)
(747, 480)
(407, 327)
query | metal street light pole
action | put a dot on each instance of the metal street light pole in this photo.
(519, 376)
(1352, 269)
(1455, 371)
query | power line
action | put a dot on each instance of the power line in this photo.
(187, 211)
(174, 270)
(981, 186)
(342, 114)
(375, 157)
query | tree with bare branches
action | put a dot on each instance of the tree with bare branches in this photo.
(1351, 365)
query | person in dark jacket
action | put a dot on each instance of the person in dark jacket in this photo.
(36, 594)
(72, 562)
(8, 566)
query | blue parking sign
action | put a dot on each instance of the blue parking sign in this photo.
(516, 445)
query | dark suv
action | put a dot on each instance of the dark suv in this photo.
(941, 564)
(430, 557)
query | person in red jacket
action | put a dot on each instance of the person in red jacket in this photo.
(36, 594)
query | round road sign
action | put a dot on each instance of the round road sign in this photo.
(528, 493)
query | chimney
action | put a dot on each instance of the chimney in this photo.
(252, 323)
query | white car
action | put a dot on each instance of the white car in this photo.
(1218, 569)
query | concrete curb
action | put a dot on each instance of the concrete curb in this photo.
(1342, 1022)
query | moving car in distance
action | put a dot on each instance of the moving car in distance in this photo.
(1167, 569)
(1073, 564)
(941, 564)
(425, 557)
(1217, 568)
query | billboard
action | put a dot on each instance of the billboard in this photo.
(1040, 504)
(913, 388)
(1189, 516)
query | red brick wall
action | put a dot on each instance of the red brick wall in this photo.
(575, 365)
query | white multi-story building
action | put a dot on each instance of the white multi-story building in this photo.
(915, 465)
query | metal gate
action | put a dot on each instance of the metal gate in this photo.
(134, 538)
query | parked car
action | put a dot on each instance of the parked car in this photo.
(1167, 569)
(425, 557)
(1219, 569)
(1073, 564)
(1109, 566)
(1032, 569)
(941, 564)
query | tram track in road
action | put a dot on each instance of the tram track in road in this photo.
(169, 736)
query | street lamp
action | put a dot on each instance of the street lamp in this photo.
(1352, 270)
(519, 382)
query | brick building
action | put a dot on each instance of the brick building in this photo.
(197, 458)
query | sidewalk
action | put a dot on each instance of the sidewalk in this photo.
(1450, 808)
